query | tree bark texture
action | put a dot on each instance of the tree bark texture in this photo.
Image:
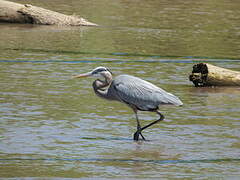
(17, 13)
(204, 74)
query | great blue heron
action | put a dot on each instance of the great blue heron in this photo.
(138, 94)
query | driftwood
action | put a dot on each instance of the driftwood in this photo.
(204, 74)
(17, 13)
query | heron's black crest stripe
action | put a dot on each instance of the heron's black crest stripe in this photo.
(101, 69)
(110, 71)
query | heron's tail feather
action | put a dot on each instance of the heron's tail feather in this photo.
(174, 100)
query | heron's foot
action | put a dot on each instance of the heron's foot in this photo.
(160, 119)
(143, 138)
(136, 135)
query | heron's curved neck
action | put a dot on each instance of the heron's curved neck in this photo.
(99, 85)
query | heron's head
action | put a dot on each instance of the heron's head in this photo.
(99, 71)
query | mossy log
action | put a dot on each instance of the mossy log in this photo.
(204, 74)
(18, 13)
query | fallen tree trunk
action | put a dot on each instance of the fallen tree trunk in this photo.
(17, 13)
(204, 74)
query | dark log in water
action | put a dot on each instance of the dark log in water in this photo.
(204, 74)
(17, 13)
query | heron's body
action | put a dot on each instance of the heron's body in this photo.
(143, 95)
(133, 91)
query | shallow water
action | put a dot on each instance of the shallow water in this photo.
(53, 126)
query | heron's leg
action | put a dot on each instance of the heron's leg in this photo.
(154, 122)
(136, 135)
(139, 129)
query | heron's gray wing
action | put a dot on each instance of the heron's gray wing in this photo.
(144, 95)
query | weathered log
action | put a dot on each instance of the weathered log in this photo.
(17, 13)
(204, 74)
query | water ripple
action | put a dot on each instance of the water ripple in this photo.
(127, 160)
(111, 60)
(156, 57)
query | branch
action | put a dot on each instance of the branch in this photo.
(210, 75)
(18, 13)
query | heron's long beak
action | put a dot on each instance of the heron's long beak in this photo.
(83, 75)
